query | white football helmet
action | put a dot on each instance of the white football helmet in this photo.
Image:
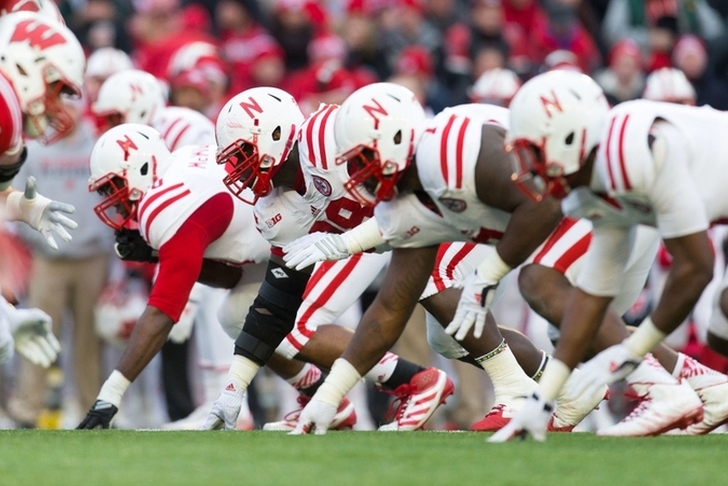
(130, 96)
(495, 86)
(44, 7)
(125, 162)
(105, 61)
(118, 308)
(376, 130)
(669, 84)
(556, 119)
(43, 60)
(255, 132)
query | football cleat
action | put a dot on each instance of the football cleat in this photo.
(661, 408)
(416, 401)
(715, 408)
(531, 420)
(344, 419)
(570, 410)
(498, 416)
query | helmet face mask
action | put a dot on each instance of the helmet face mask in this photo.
(125, 162)
(376, 131)
(556, 120)
(116, 209)
(245, 171)
(44, 62)
(370, 180)
(255, 131)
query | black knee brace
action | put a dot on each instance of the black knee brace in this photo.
(281, 294)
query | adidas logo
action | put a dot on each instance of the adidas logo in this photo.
(279, 273)
(230, 387)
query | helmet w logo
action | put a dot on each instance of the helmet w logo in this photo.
(40, 36)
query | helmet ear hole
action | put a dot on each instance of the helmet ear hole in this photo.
(397, 137)
(144, 169)
(569, 139)
(276, 135)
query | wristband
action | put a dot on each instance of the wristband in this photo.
(493, 268)
(114, 388)
(342, 378)
(644, 338)
(363, 237)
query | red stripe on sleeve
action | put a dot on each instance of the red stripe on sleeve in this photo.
(321, 136)
(169, 129)
(146, 202)
(609, 154)
(622, 165)
(173, 145)
(309, 136)
(459, 151)
(443, 147)
(155, 212)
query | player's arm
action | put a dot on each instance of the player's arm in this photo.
(180, 264)
(386, 317)
(531, 222)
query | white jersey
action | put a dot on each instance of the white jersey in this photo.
(322, 203)
(192, 179)
(679, 195)
(445, 160)
(181, 126)
(675, 185)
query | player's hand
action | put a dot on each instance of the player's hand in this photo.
(473, 306)
(34, 339)
(531, 420)
(316, 416)
(609, 366)
(225, 410)
(41, 213)
(130, 246)
(314, 248)
(99, 417)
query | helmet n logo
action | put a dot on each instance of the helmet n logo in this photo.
(550, 105)
(40, 36)
(126, 145)
(251, 108)
(135, 90)
(373, 111)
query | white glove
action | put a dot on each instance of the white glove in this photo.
(473, 306)
(314, 248)
(34, 339)
(531, 420)
(609, 366)
(317, 415)
(225, 410)
(41, 213)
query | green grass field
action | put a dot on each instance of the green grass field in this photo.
(48, 458)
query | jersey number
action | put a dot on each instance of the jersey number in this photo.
(342, 214)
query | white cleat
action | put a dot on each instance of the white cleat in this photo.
(715, 408)
(344, 419)
(571, 410)
(419, 399)
(662, 407)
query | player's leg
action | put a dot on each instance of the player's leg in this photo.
(333, 288)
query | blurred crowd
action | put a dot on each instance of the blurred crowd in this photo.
(446, 51)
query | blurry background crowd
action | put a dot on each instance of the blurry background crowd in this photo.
(447, 51)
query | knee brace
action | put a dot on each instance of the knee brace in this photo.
(441, 342)
(281, 294)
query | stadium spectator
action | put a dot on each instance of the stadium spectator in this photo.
(623, 79)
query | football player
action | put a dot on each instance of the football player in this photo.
(296, 186)
(640, 163)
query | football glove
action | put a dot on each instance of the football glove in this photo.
(130, 246)
(225, 410)
(41, 213)
(34, 339)
(317, 415)
(609, 366)
(99, 417)
(313, 248)
(531, 420)
(473, 306)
